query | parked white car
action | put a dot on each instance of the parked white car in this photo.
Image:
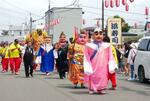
(142, 60)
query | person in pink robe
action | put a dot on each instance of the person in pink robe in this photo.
(98, 62)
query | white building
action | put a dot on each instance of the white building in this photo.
(139, 30)
(63, 20)
(14, 32)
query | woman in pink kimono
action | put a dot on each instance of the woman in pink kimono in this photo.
(98, 62)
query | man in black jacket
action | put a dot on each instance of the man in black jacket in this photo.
(28, 59)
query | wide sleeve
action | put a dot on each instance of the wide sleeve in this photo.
(112, 63)
(55, 52)
(87, 62)
(38, 58)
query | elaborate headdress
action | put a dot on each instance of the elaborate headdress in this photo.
(98, 29)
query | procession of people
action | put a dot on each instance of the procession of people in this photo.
(90, 63)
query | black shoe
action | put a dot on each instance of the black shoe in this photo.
(112, 88)
(31, 75)
(61, 78)
(101, 92)
(75, 86)
(27, 75)
(82, 86)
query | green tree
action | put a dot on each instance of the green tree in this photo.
(125, 26)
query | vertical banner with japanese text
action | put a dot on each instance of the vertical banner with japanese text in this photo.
(114, 30)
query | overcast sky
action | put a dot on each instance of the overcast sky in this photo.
(16, 12)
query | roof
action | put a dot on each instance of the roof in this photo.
(64, 8)
(129, 34)
(60, 8)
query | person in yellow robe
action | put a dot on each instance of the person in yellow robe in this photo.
(5, 57)
(75, 55)
(15, 56)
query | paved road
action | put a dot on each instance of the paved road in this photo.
(50, 88)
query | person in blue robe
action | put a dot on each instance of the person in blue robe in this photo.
(47, 56)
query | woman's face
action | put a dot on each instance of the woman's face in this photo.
(82, 39)
(98, 36)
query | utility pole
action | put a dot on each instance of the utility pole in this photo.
(49, 17)
(30, 24)
(26, 26)
(103, 15)
(78, 5)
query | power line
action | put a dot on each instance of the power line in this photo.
(113, 10)
(72, 4)
(10, 15)
(40, 18)
(107, 15)
(91, 12)
(19, 8)
(10, 10)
